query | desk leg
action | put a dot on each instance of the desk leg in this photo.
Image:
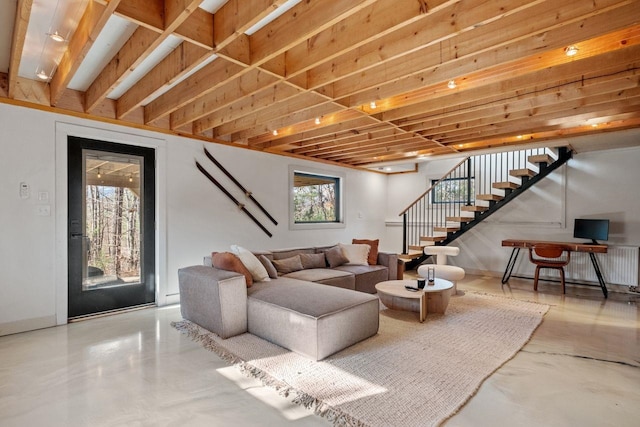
(512, 262)
(596, 267)
(423, 307)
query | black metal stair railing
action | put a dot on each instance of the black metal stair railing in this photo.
(471, 191)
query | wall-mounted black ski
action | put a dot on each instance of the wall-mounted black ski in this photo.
(229, 195)
(235, 181)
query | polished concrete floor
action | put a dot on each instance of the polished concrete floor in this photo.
(581, 368)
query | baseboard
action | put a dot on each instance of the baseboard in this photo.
(498, 274)
(27, 325)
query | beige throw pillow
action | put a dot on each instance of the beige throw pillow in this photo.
(253, 264)
(357, 254)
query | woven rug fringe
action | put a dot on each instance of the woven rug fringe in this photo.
(320, 408)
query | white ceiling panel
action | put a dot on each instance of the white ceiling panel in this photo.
(109, 42)
(212, 6)
(165, 48)
(272, 16)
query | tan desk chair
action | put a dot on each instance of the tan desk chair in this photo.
(549, 256)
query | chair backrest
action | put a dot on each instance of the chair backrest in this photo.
(441, 253)
(549, 252)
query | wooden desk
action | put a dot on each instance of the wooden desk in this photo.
(590, 248)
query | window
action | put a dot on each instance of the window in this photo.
(316, 199)
(453, 190)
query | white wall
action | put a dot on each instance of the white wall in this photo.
(196, 218)
(598, 184)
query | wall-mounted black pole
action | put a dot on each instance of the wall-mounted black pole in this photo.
(469, 181)
(235, 181)
(229, 195)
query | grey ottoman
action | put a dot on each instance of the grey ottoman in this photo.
(311, 319)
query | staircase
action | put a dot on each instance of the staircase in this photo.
(473, 190)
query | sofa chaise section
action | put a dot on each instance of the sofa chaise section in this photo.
(311, 319)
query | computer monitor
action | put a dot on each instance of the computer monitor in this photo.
(594, 229)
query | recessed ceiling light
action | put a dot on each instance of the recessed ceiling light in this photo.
(570, 50)
(594, 125)
(56, 37)
(42, 75)
(387, 169)
(519, 136)
(275, 133)
(373, 105)
(317, 120)
(452, 84)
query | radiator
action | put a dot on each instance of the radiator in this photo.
(619, 266)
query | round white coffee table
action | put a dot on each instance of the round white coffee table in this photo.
(432, 299)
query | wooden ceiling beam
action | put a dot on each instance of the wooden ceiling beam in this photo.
(300, 23)
(231, 23)
(533, 74)
(347, 139)
(91, 24)
(472, 52)
(582, 115)
(440, 25)
(180, 61)
(555, 98)
(21, 23)
(348, 121)
(302, 108)
(242, 87)
(303, 20)
(139, 46)
(258, 101)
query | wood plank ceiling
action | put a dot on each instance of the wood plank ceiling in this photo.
(306, 83)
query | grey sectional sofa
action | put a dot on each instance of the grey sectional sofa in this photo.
(314, 312)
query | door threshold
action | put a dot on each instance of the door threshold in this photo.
(110, 312)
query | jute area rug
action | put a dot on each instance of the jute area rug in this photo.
(409, 374)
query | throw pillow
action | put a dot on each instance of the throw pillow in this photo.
(335, 257)
(230, 262)
(313, 261)
(253, 264)
(288, 265)
(356, 254)
(268, 265)
(373, 252)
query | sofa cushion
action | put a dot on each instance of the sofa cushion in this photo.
(335, 257)
(288, 265)
(326, 276)
(255, 267)
(310, 319)
(366, 276)
(356, 254)
(373, 252)
(288, 253)
(230, 262)
(313, 260)
(268, 265)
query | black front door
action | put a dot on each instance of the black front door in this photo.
(111, 221)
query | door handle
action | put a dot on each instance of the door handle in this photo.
(76, 235)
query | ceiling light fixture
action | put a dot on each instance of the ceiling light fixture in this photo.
(570, 50)
(317, 120)
(56, 37)
(275, 133)
(452, 84)
(373, 105)
(519, 136)
(42, 75)
(130, 178)
(594, 125)
(99, 174)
